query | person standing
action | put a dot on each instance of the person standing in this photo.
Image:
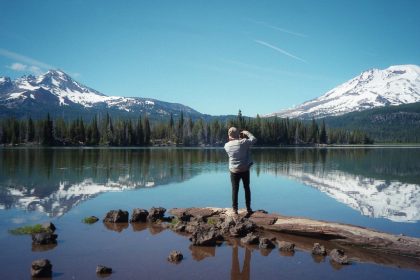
(238, 150)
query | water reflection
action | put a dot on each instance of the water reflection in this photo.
(236, 273)
(376, 182)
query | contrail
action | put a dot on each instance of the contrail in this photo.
(279, 28)
(279, 50)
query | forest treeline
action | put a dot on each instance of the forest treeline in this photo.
(183, 131)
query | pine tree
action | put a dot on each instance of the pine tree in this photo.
(147, 132)
(139, 134)
(30, 134)
(48, 138)
(323, 134)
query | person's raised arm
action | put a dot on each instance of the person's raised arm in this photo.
(251, 137)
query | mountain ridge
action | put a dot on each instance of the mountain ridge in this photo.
(395, 85)
(56, 92)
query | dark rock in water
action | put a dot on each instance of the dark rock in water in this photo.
(205, 236)
(156, 213)
(116, 216)
(139, 215)
(49, 226)
(286, 246)
(338, 256)
(43, 238)
(242, 228)
(266, 243)
(251, 238)
(175, 256)
(101, 269)
(318, 249)
(41, 268)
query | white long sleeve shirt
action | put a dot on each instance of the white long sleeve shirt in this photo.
(238, 152)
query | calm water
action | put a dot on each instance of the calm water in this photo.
(375, 187)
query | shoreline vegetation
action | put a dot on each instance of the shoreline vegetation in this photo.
(181, 132)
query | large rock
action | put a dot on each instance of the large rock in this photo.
(286, 246)
(139, 215)
(175, 256)
(193, 225)
(48, 226)
(205, 236)
(319, 250)
(266, 243)
(41, 268)
(156, 213)
(251, 238)
(101, 269)
(242, 228)
(116, 216)
(338, 256)
(43, 238)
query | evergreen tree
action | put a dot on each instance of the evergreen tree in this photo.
(147, 132)
(323, 134)
(48, 138)
(30, 134)
(139, 134)
(180, 129)
(94, 132)
(241, 121)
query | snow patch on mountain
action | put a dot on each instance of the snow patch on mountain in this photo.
(395, 85)
(58, 89)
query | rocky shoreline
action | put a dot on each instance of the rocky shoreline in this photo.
(210, 227)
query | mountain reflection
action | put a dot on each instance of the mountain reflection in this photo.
(376, 182)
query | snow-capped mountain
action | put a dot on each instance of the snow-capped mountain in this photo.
(57, 93)
(395, 85)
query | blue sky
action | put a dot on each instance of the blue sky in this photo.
(214, 56)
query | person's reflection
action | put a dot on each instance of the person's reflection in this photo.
(235, 272)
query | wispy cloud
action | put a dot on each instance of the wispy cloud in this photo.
(19, 67)
(284, 30)
(28, 64)
(279, 50)
(25, 59)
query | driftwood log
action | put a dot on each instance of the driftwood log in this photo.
(350, 236)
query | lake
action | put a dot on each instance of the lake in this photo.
(376, 187)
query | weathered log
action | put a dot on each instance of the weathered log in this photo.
(345, 234)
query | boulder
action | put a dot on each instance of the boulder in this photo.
(286, 246)
(49, 226)
(175, 256)
(266, 243)
(43, 238)
(41, 268)
(192, 226)
(338, 256)
(156, 213)
(139, 215)
(101, 269)
(318, 249)
(116, 216)
(205, 236)
(251, 238)
(241, 228)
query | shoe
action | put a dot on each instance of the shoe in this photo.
(235, 211)
(249, 212)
